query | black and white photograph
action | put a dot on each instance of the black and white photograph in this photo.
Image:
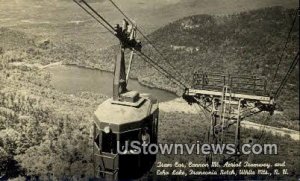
(158, 90)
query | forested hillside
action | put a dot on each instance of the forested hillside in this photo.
(249, 43)
(45, 133)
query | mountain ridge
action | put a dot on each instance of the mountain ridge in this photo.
(245, 43)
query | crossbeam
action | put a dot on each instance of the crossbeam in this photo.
(262, 99)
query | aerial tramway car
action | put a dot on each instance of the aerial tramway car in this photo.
(128, 116)
(124, 121)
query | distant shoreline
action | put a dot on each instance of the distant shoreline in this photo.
(133, 78)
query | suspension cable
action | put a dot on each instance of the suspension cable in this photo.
(146, 38)
(284, 49)
(97, 14)
(161, 69)
(144, 56)
(170, 75)
(283, 82)
(105, 26)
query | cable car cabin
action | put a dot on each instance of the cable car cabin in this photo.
(117, 122)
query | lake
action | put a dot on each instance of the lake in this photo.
(73, 79)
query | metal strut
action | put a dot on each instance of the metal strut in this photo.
(237, 139)
(230, 99)
(126, 35)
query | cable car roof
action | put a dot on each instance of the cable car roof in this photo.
(118, 115)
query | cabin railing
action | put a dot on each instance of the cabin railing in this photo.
(238, 83)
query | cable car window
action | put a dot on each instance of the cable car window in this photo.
(109, 142)
(150, 129)
(154, 128)
(131, 136)
(128, 137)
(145, 136)
(97, 140)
